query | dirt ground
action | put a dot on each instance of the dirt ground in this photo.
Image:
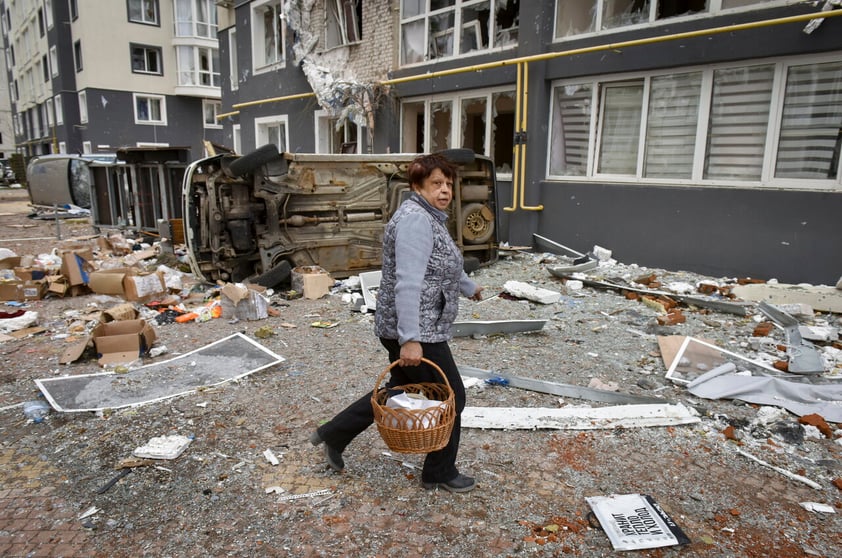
(223, 496)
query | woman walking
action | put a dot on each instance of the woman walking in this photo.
(418, 299)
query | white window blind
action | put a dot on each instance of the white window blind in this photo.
(739, 118)
(811, 124)
(571, 130)
(620, 133)
(671, 125)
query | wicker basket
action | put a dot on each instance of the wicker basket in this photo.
(415, 430)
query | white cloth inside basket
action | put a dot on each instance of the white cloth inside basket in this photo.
(415, 402)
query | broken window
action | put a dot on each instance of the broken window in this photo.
(485, 121)
(412, 127)
(811, 124)
(739, 118)
(267, 34)
(672, 8)
(271, 129)
(619, 13)
(441, 119)
(454, 27)
(343, 25)
(651, 127)
(575, 17)
(502, 131)
(336, 135)
(571, 118)
(473, 124)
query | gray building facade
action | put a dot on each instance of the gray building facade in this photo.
(699, 134)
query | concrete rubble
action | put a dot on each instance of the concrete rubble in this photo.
(539, 435)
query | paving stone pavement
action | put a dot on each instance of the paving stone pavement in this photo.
(35, 520)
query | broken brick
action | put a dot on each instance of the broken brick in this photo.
(781, 365)
(672, 318)
(749, 281)
(653, 303)
(763, 329)
(837, 482)
(730, 433)
(646, 279)
(819, 422)
(707, 288)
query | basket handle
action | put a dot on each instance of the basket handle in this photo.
(389, 369)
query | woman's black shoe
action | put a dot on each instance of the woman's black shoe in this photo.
(333, 457)
(461, 483)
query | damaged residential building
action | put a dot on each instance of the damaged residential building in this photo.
(86, 78)
(695, 134)
(688, 134)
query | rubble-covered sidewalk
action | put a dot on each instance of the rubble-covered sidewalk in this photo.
(587, 346)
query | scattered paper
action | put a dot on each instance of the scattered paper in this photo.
(163, 447)
(635, 521)
(270, 457)
(817, 507)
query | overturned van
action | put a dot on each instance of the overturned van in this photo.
(258, 216)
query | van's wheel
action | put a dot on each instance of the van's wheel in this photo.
(250, 162)
(477, 223)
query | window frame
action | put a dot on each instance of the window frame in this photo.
(450, 38)
(325, 133)
(59, 109)
(194, 23)
(217, 108)
(77, 56)
(454, 134)
(156, 21)
(48, 13)
(260, 65)
(83, 106)
(262, 122)
(162, 107)
(53, 61)
(770, 140)
(194, 69)
(233, 60)
(146, 50)
(343, 23)
(714, 8)
(237, 138)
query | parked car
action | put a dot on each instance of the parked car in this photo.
(63, 179)
(7, 173)
(260, 215)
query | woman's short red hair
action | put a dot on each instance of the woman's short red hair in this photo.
(423, 166)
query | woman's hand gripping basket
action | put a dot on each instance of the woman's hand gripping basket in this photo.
(415, 430)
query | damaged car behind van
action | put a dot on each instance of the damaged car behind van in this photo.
(258, 216)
